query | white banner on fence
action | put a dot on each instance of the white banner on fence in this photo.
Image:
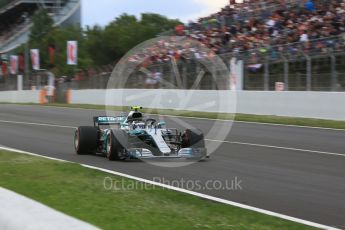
(13, 64)
(35, 59)
(72, 53)
(20, 82)
(236, 74)
(279, 86)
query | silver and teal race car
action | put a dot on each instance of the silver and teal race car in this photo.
(132, 136)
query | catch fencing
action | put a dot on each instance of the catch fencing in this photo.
(317, 65)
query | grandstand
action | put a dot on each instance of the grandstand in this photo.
(247, 26)
(300, 43)
(15, 18)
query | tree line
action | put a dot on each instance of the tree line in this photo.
(97, 46)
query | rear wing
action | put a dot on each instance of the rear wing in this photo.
(106, 120)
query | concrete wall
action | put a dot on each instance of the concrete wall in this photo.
(30, 96)
(194, 100)
(324, 105)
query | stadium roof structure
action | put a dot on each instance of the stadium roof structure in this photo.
(63, 12)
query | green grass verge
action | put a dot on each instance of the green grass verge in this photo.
(80, 192)
(308, 122)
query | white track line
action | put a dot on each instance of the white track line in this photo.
(36, 124)
(227, 142)
(250, 122)
(293, 126)
(253, 122)
(208, 197)
(200, 118)
(278, 147)
(32, 154)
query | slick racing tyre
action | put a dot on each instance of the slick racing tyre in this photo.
(193, 138)
(116, 143)
(85, 140)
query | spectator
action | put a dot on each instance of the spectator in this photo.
(309, 6)
(304, 37)
(265, 27)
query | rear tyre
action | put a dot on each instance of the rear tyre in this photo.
(85, 140)
(117, 140)
(193, 138)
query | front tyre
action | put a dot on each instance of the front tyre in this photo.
(116, 141)
(85, 140)
(193, 138)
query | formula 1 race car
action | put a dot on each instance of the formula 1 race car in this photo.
(134, 137)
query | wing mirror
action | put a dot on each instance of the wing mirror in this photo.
(161, 125)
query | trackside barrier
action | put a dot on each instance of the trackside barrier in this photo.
(68, 96)
(43, 97)
(322, 105)
(29, 96)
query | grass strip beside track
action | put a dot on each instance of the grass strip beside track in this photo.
(80, 192)
(308, 122)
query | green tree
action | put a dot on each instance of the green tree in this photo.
(59, 37)
(97, 46)
(42, 25)
(126, 31)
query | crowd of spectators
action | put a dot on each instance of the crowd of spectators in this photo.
(8, 30)
(268, 27)
(264, 24)
(14, 20)
(168, 48)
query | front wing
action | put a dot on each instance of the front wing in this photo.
(183, 154)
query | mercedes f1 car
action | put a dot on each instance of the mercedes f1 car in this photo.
(132, 136)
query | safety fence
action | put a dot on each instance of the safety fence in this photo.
(300, 69)
(317, 65)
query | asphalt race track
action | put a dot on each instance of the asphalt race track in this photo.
(295, 171)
